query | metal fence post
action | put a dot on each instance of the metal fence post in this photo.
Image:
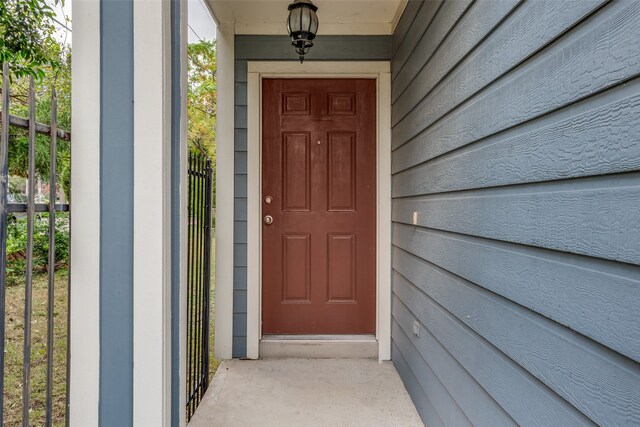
(207, 272)
(4, 189)
(28, 289)
(199, 279)
(31, 208)
(52, 254)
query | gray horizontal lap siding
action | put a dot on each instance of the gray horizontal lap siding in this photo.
(516, 139)
(275, 48)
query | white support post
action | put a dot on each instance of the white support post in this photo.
(152, 214)
(384, 217)
(254, 217)
(224, 192)
(85, 211)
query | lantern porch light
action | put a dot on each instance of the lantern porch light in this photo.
(302, 26)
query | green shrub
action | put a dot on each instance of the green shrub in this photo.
(17, 245)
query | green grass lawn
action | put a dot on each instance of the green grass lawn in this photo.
(14, 352)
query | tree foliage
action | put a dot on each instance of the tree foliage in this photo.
(28, 44)
(202, 97)
(201, 102)
(60, 78)
(17, 242)
(27, 36)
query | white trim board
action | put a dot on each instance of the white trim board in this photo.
(336, 17)
(399, 13)
(152, 230)
(85, 209)
(380, 70)
(224, 193)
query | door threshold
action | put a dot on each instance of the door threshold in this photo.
(363, 337)
(319, 346)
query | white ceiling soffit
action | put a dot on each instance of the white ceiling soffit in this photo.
(336, 16)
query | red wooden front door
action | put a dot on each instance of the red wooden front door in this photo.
(319, 206)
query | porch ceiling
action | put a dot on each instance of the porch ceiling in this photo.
(343, 17)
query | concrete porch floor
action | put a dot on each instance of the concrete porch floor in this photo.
(306, 392)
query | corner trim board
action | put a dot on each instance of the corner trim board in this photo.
(152, 240)
(225, 193)
(85, 239)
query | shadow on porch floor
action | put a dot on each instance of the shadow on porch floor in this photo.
(306, 392)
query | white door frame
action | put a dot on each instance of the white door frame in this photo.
(379, 70)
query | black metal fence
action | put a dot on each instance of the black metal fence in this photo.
(33, 211)
(200, 215)
(199, 278)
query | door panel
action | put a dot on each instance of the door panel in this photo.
(296, 159)
(296, 271)
(341, 268)
(319, 168)
(342, 171)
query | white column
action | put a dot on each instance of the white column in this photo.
(254, 216)
(152, 214)
(224, 192)
(85, 211)
(384, 217)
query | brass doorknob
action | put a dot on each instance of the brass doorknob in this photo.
(268, 220)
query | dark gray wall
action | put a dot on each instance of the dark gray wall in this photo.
(275, 48)
(177, 8)
(116, 213)
(516, 139)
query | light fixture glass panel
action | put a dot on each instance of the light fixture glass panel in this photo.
(294, 20)
(306, 19)
(314, 23)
